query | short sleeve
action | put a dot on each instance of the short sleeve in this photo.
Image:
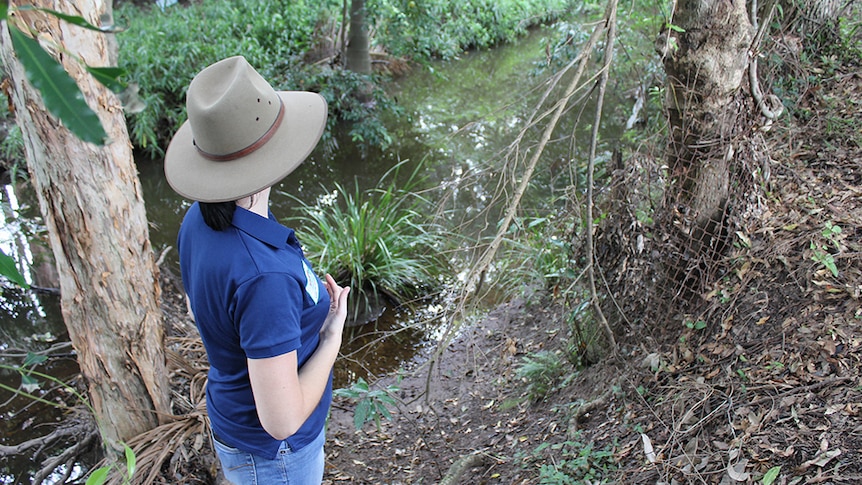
(267, 312)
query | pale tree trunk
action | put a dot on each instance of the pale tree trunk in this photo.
(814, 20)
(705, 55)
(358, 58)
(91, 201)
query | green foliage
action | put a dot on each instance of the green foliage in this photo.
(572, 463)
(55, 85)
(586, 335)
(422, 29)
(541, 371)
(60, 93)
(371, 405)
(533, 255)
(820, 250)
(771, 475)
(363, 114)
(820, 255)
(164, 50)
(9, 269)
(100, 475)
(12, 148)
(380, 241)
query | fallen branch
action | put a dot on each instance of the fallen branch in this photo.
(68, 457)
(585, 409)
(42, 441)
(466, 462)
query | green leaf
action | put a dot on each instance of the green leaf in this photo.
(109, 77)
(4, 10)
(29, 383)
(131, 461)
(771, 475)
(59, 91)
(675, 28)
(383, 411)
(360, 415)
(99, 476)
(33, 359)
(361, 385)
(9, 269)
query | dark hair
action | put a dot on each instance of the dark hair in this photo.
(218, 215)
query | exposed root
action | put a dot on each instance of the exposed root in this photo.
(466, 462)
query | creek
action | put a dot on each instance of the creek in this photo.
(460, 115)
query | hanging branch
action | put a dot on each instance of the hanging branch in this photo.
(611, 19)
(477, 271)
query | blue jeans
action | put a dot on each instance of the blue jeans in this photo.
(303, 467)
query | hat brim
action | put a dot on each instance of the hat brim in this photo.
(198, 178)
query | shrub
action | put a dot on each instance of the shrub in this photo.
(380, 241)
(163, 50)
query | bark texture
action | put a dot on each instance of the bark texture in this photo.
(91, 201)
(357, 52)
(705, 52)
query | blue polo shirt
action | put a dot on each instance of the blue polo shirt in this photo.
(253, 295)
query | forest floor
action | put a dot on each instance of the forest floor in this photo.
(771, 381)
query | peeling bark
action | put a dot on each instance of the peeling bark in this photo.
(91, 200)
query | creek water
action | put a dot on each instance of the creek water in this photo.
(460, 114)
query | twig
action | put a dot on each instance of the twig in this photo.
(40, 442)
(800, 390)
(611, 18)
(560, 107)
(68, 456)
(584, 409)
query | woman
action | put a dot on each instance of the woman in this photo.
(270, 330)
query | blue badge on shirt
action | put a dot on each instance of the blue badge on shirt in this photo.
(311, 286)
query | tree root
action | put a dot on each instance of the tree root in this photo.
(83, 435)
(466, 462)
(584, 409)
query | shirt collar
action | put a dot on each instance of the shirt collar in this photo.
(265, 230)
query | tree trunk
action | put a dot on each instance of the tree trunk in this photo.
(705, 55)
(357, 55)
(91, 201)
(815, 20)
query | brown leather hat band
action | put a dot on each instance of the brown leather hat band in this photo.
(251, 148)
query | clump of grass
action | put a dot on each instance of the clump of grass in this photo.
(541, 371)
(380, 241)
(534, 257)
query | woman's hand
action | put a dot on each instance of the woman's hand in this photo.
(333, 326)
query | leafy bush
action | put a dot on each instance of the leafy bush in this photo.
(379, 240)
(534, 257)
(371, 405)
(163, 50)
(541, 371)
(363, 114)
(574, 462)
(421, 29)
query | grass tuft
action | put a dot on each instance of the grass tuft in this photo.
(380, 241)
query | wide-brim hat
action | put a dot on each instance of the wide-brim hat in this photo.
(242, 135)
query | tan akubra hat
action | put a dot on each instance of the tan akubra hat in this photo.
(242, 136)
